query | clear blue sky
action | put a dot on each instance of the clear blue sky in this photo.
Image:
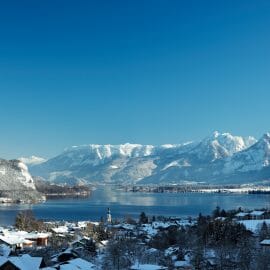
(79, 72)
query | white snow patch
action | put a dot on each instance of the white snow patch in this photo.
(28, 180)
(33, 160)
(3, 171)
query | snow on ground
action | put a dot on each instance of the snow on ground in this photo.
(27, 180)
(33, 160)
(172, 164)
(149, 229)
(3, 171)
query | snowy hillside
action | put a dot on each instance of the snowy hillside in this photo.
(14, 175)
(16, 183)
(255, 158)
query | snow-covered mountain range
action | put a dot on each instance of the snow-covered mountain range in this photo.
(219, 158)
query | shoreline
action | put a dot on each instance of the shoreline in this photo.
(263, 190)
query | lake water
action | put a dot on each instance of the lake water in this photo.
(132, 204)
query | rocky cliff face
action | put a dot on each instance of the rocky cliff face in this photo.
(16, 182)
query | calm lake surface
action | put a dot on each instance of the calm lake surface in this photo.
(132, 204)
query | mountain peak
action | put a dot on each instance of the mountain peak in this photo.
(266, 136)
(32, 160)
(215, 134)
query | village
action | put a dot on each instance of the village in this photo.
(226, 239)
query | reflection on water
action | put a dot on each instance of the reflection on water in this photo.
(132, 204)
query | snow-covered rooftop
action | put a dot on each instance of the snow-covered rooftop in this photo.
(24, 262)
(4, 250)
(60, 229)
(242, 214)
(12, 239)
(181, 264)
(147, 267)
(77, 264)
(265, 242)
(257, 213)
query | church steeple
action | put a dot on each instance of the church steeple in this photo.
(109, 216)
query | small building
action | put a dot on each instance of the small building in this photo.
(182, 265)
(65, 256)
(77, 264)
(257, 214)
(242, 216)
(265, 244)
(40, 239)
(22, 239)
(12, 241)
(28, 243)
(24, 262)
(147, 267)
(60, 230)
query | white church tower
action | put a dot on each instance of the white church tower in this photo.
(109, 216)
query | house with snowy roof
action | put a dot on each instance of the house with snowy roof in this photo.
(257, 214)
(147, 267)
(12, 241)
(265, 244)
(182, 265)
(242, 216)
(21, 239)
(24, 262)
(77, 264)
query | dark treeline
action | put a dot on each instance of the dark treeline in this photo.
(259, 192)
(61, 190)
(179, 188)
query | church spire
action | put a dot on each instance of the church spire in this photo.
(109, 216)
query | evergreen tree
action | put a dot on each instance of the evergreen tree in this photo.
(26, 221)
(143, 218)
(223, 213)
(216, 212)
(264, 232)
(198, 258)
(245, 254)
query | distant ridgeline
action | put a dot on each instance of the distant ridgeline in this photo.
(218, 159)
